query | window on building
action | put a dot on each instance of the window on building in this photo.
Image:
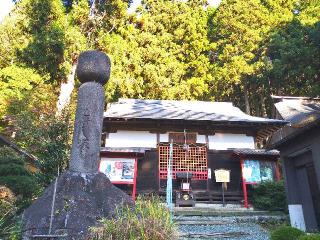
(186, 158)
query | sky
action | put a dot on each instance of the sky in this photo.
(136, 3)
(6, 6)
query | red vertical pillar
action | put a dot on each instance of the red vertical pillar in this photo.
(244, 186)
(278, 174)
(135, 179)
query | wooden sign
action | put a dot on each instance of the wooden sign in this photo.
(180, 138)
(222, 175)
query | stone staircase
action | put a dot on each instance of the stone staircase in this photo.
(224, 223)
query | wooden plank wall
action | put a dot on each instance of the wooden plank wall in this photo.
(147, 180)
(225, 160)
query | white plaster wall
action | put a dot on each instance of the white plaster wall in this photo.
(132, 139)
(201, 138)
(219, 141)
(297, 217)
(164, 137)
(223, 141)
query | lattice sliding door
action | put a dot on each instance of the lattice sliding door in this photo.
(193, 160)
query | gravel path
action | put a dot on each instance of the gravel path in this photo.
(220, 228)
(229, 231)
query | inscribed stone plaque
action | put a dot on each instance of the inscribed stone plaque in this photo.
(189, 138)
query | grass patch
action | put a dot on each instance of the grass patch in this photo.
(150, 219)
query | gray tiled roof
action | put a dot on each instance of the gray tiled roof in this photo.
(299, 111)
(182, 110)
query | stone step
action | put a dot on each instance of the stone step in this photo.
(200, 222)
(209, 220)
(223, 235)
(220, 212)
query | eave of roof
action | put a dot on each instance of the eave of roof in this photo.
(292, 97)
(296, 133)
(28, 156)
(257, 152)
(124, 149)
(213, 113)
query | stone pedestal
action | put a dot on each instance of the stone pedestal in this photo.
(81, 200)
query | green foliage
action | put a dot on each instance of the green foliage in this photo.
(162, 54)
(38, 130)
(286, 233)
(264, 47)
(10, 227)
(310, 237)
(15, 176)
(26, 186)
(148, 220)
(48, 138)
(269, 196)
(6, 221)
(170, 49)
(15, 81)
(46, 27)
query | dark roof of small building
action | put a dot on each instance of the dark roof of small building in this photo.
(299, 111)
(302, 113)
(182, 110)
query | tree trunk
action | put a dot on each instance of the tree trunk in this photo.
(246, 98)
(263, 105)
(66, 90)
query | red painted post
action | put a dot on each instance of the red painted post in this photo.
(135, 180)
(278, 175)
(244, 186)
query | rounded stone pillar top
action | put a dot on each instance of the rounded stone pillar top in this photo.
(93, 66)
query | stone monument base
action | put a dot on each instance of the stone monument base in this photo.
(81, 201)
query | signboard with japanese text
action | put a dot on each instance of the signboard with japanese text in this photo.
(189, 138)
(251, 171)
(266, 171)
(222, 175)
(255, 171)
(118, 169)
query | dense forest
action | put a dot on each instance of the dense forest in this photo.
(241, 51)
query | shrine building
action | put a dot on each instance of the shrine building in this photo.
(205, 137)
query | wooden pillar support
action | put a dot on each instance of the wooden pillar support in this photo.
(134, 188)
(278, 174)
(244, 186)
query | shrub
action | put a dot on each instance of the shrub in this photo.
(10, 227)
(7, 212)
(148, 220)
(269, 196)
(286, 233)
(310, 237)
(15, 176)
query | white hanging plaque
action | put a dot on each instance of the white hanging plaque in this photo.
(222, 175)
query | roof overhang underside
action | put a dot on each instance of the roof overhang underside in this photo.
(257, 152)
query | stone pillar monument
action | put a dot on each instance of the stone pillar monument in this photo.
(80, 196)
(93, 72)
